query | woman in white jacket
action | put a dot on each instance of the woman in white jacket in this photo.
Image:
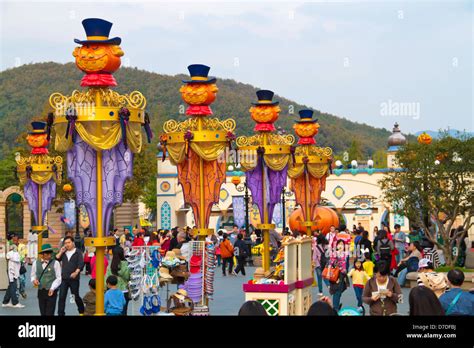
(14, 264)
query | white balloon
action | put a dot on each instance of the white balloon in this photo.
(370, 163)
(338, 163)
(354, 164)
(230, 168)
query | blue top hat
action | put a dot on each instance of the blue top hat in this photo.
(306, 116)
(97, 31)
(265, 98)
(199, 74)
(38, 127)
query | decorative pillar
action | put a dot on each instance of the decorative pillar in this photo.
(101, 130)
(264, 158)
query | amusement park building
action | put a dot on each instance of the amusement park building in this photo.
(354, 193)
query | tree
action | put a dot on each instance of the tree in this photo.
(355, 152)
(144, 171)
(7, 172)
(380, 158)
(435, 189)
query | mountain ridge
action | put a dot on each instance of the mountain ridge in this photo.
(25, 90)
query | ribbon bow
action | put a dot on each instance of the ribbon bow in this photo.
(71, 117)
(146, 125)
(163, 142)
(49, 123)
(124, 115)
(188, 136)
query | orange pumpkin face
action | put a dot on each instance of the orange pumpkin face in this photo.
(324, 217)
(37, 140)
(199, 93)
(265, 113)
(95, 58)
(424, 138)
(306, 130)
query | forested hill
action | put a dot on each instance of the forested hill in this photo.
(24, 93)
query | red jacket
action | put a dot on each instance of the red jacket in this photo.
(137, 242)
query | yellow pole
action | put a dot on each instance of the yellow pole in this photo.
(202, 212)
(100, 250)
(307, 199)
(40, 216)
(266, 232)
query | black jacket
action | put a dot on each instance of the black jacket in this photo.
(240, 248)
(69, 266)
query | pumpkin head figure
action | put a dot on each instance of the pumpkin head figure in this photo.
(265, 111)
(98, 56)
(200, 91)
(306, 128)
(38, 138)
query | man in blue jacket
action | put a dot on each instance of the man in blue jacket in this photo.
(456, 301)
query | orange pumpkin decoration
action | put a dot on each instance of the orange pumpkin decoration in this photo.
(37, 140)
(98, 58)
(265, 113)
(67, 187)
(306, 129)
(324, 217)
(199, 93)
(424, 138)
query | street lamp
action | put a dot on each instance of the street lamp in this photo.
(241, 187)
(284, 194)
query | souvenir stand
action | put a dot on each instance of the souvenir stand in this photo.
(195, 146)
(39, 173)
(304, 275)
(278, 296)
(100, 130)
(144, 263)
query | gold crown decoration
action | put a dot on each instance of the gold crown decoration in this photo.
(40, 168)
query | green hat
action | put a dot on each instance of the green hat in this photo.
(46, 248)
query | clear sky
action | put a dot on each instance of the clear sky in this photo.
(374, 62)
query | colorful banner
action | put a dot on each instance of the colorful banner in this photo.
(70, 214)
(238, 205)
(277, 216)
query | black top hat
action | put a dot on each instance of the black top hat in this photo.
(38, 127)
(306, 116)
(265, 98)
(199, 74)
(97, 31)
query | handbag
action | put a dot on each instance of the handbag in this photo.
(22, 269)
(331, 273)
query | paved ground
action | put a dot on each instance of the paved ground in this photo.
(227, 299)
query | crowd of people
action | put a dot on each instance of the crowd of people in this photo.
(342, 259)
(379, 271)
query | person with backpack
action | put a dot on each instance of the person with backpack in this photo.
(384, 247)
(431, 279)
(456, 301)
(240, 253)
(46, 276)
(320, 259)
